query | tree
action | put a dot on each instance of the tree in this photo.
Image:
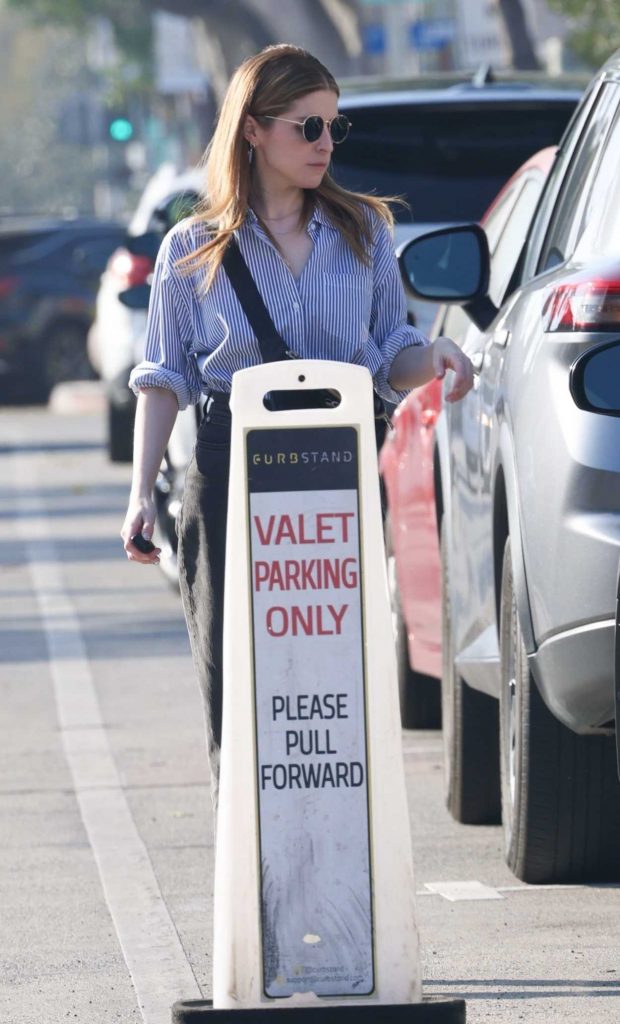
(597, 31)
(233, 28)
(130, 19)
(40, 170)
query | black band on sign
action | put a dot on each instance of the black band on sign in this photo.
(302, 459)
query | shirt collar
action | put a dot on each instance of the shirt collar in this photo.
(318, 217)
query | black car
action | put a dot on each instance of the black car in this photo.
(49, 274)
(447, 151)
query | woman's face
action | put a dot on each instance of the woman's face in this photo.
(282, 156)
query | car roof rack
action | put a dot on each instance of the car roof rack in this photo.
(483, 75)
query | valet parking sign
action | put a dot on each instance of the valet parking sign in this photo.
(316, 899)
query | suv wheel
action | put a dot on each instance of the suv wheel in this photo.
(560, 792)
(419, 695)
(470, 729)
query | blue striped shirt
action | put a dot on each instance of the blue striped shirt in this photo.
(337, 309)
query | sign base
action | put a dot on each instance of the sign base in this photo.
(429, 1011)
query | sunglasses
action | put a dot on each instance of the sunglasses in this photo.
(312, 127)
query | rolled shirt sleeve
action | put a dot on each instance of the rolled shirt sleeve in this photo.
(388, 320)
(168, 359)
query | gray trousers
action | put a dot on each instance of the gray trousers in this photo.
(202, 545)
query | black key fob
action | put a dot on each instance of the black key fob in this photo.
(142, 544)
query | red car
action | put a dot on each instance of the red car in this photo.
(407, 464)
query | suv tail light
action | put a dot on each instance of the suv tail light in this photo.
(129, 269)
(588, 302)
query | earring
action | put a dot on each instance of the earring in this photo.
(250, 153)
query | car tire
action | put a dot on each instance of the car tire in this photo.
(560, 791)
(120, 431)
(470, 729)
(419, 695)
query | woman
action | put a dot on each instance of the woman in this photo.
(324, 264)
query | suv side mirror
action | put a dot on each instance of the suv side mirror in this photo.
(451, 265)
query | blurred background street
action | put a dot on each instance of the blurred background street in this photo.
(99, 95)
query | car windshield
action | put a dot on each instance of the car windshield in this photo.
(14, 245)
(448, 163)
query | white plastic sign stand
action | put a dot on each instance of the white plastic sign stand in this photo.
(314, 891)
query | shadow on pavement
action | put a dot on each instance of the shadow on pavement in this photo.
(61, 549)
(106, 640)
(533, 988)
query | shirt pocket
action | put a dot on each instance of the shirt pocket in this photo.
(344, 302)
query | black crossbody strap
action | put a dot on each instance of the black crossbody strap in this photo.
(272, 345)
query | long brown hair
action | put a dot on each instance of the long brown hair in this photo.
(269, 83)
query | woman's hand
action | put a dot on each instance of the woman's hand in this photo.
(155, 415)
(140, 518)
(447, 355)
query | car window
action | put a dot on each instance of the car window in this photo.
(12, 246)
(563, 233)
(90, 255)
(55, 247)
(176, 208)
(510, 242)
(448, 162)
(455, 324)
(527, 266)
(493, 222)
(506, 228)
(599, 231)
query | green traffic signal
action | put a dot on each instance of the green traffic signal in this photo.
(120, 129)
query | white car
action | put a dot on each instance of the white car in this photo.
(116, 339)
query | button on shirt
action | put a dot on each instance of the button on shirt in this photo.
(337, 309)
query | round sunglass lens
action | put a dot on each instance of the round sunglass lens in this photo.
(339, 128)
(313, 128)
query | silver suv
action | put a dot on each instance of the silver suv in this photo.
(528, 501)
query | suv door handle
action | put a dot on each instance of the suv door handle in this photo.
(477, 361)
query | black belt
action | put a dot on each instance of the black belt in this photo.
(221, 399)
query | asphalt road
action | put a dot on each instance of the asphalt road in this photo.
(106, 841)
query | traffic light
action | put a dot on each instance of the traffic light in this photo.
(120, 128)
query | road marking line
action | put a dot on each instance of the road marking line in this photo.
(455, 891)
(156, 960)
(525, 887)
(443, 888)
